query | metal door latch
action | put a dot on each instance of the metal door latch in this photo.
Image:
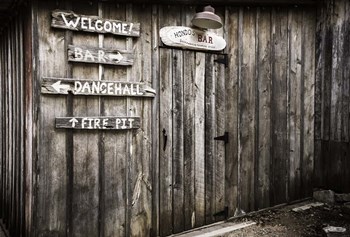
(222, 138)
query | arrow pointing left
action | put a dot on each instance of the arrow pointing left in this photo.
(57, 86)
(73, 121)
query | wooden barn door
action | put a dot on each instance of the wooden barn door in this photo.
(191, 145)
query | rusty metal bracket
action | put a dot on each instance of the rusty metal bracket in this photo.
(222, 138)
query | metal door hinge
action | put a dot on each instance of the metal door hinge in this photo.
(223, 213)
(222, 59)
(222, 138)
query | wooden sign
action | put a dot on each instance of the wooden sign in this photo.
(100, 55)
(189, 38)
(112, 123)
(71, 21)
(89, 87)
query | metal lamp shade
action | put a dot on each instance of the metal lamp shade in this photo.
(207, 19)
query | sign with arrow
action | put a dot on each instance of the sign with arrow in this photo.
(99, 123)
(90, 87)
(100, 55)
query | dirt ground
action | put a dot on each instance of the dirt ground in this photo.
(284, 222)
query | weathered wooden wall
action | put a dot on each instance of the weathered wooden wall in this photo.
(12, 130)
(93, 183)
(283, 99)
(332, 121)
(170, 175)
(264, 99)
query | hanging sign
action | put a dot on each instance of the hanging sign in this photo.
(89, 87)
(190, 38)
(100, 55)
(71, 21)
(100, 123)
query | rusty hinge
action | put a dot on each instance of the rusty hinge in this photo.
(222, 138)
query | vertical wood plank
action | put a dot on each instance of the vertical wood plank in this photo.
(140, 222)
(264, 107)
(247, 110)
(114, 144)
(345, 65)
(155, 122)
(189, 131)
(327, 82)
(6, 130)
(319, 94)
(18, 137)
(210, 148)
(14, 127)
(336, 86)
(166, 142)
(10, 79)
(199, 121)
(101, 147)
(15, 132)
(16, 124)
(29, 18)
(295, 23)
(69, 139)
(231, 163)
(130, 175)
(327, 86)
(239, 79)
(220, 129)
(279, 115)
(10, 126)
(21, 180)
(346, 103)
(3, 125)
(178, 136)
(86, 154)
(166, 125)
(189, 139)
(51, 163)
(3, 128)
(2, 60)
(308, 102)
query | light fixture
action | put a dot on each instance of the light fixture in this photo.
(207, 19)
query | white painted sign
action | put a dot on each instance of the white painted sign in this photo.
(90, 87)
(71, 21)
(190, 38)
(103, 123)
(100, 55)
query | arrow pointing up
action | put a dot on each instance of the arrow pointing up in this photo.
(57, 86)
(73, 121)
